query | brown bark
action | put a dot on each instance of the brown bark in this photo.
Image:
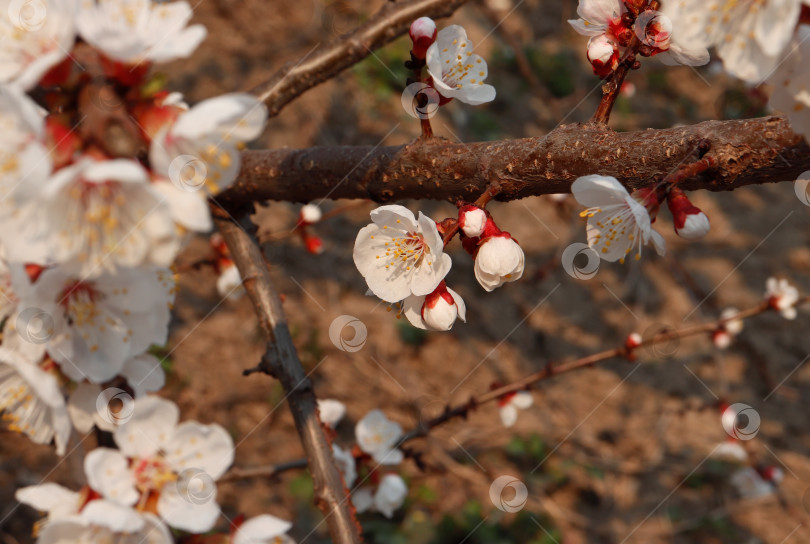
(745, 152)
(281, 361)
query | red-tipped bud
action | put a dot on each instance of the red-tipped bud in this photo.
(632, 341)
(152, 118)
(423, 33)
(314, 245)
(690, 222)
(603, 54)
(441, 308)
(472, 220)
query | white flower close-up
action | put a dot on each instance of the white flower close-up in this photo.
(263, 529)
(34, 37)
(457, 72)
(179, 463)
(31, 399)
(98, 324)
(389, 496)
(399, 255)
(96, 215)
(617, 222)
(137, 31)
(377, 436)
(749, 35)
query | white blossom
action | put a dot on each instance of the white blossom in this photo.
(135, 31)
(750, 484)
(31, 399)
(749, 35)
(399, 255)
(34, 37)
(24, 160)
(510, 405)
(791, 84)
(782, 296)
(597, 16)
(499, 260)
(89, 405)
(332, 411)
(96, 214)
(617, 222)
(199, 151)
(457, 72)
(98, 324)
(52, 499)
(229, 282)
(179, 463)
(390, 494)
(104, 521)
(263, 529)
(378, 436)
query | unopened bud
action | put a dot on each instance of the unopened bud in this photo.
(603, 54)
(690, 222)
(423, 33)
(472, 220)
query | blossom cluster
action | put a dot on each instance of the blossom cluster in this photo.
(403, 261)
(104, 176)
(759, 41)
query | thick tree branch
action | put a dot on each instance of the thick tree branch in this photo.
(745, 152)
(281, 360)
(390, 22)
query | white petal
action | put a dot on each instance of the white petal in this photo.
(52, 498)
(261, 529)
(108, 473)
(509, 415)
(598, 191)
(151, 425)
(194, 514)
(412, 310)
(205, 447)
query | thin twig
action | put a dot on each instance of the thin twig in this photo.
(551, 370)
(390, 22)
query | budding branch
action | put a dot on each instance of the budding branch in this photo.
(462, 410)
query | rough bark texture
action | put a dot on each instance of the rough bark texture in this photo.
(281, 361)
(747, 151)
(393, 20)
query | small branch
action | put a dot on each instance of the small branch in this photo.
(390, 22)
(551, 370)
(745, 151)
(281, 360)
(269, 471)
(613, 86)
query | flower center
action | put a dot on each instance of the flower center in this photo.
(152, 474)
(406, 250)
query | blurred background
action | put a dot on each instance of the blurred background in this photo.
(611, 454)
